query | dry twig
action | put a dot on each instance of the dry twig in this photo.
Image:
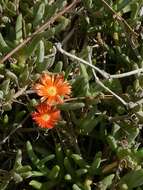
(39, 30)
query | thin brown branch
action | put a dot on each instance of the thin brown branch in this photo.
(119, 18)
(15, 96)
(39, 30)
(20, 92)
(100, 97)
(20, 125)
(110, 167)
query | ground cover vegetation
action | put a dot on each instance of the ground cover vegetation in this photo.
(71, 94)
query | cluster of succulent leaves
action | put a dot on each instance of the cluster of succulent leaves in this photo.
(98, 142)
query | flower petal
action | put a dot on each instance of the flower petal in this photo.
(45, 109)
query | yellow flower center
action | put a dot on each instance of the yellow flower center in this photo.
(45, 117)
(52, 91)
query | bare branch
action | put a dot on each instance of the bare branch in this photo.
(119, 18)
(133, 105)
(39, 30)
(14, 130)
(107, 89)
(15, 96)
(103, 73)
(127, 74)
(20, 92)
(106, 75)
(102, 85)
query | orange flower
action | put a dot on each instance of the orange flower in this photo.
(46, 116)
(53, 88)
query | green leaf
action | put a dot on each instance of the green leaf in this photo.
(51, 10)
(68, 177)
(76, 187)
(106, 182)
(23, 169)
(114, 85)
(35, 160)
(41, 52)
(122, 4)
(18, 159)
(81, 172)
(95, 164)
(33, 45)
(79, 161)
(39, 14)
(35, 184)
(70, 106)
(58, 67)
(135, 7)
(69, 167)
(3, 45)
(5, 86)
(46, 159)
(53, 174)
(87, 125)
(112, 142)
(18, 29)
(59, 155)
(132, 179)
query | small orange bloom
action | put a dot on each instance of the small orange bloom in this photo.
(53, 88)
(46, 116)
